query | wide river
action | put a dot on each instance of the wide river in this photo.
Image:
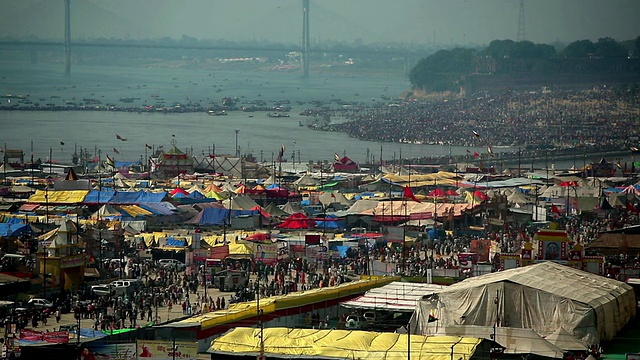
(257, 134)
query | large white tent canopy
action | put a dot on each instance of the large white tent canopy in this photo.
(542, 297)
(396, 296)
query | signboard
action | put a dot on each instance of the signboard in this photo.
(164, 350)
(126, 351)
(312, 239)
(481, 247)
(266, 253)
(72, 261)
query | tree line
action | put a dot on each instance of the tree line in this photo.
(445, 69)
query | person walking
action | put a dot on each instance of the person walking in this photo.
(58, 316)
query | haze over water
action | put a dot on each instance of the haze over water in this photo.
(199, 131)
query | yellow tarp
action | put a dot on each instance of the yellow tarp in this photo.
(439, 178)
(269, 305)
(135, 210)
(59, 197)
(343, 344)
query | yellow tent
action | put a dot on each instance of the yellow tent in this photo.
(342, 344)
(58, 197)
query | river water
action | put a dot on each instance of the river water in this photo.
(258, 134)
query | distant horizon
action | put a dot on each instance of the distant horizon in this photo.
(411, 23)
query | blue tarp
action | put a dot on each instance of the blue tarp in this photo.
(305, 202)
(125, 164)
(331, 224)
(156, 209)
(217, 216)
(104, 196)
(171, 241)
(341, 249)
(14, 221)
(196, 195)
(137, 197)
(14, 230)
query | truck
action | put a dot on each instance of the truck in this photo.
(230, 280)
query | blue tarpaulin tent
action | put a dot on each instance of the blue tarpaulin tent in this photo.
(13, 230)
(330, 224)
(217, 216)
(137, 197)
(98, 196)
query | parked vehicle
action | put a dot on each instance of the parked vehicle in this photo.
(172, 264)
(354, 322)
(101, 290)
(230, 280)
(127, 286)
(40, 304)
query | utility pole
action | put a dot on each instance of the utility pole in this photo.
(305, 38)
(67, 37)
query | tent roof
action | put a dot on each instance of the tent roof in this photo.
(339, 344)
(396, 296)
(568, 282)
(273, 210)
(565, 341)
(515, 340)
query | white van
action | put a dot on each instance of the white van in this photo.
(126, 286)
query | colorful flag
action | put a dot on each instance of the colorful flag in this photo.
(336, 157)
(116, 151)
(148, 146)
(476, 134)
(475, 153)
(281, 153)
(490, 150)
(468, 151)
(121, 138)
(632, 208)
(110, 162)
(408, 194)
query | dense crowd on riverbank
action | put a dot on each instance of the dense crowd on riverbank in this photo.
(560, 118)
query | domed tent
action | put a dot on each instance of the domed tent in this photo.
(542, 297)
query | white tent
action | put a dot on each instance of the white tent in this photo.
(396, 296)
(542, 297)
(514, 340)
(565, 341)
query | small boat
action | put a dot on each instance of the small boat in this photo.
(277, 115)
(300, 123)
(217, 113)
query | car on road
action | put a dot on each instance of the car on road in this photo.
(172, 264)
(101, 290)
(40, 304)
(354, 322)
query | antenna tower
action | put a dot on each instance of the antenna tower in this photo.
(520, 36)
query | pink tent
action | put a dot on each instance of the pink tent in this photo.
(297, 221)
(437, 193)
(177, 191)
(452, 192)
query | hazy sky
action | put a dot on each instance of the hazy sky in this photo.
(368, 21)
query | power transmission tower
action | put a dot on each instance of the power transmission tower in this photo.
(521, 36)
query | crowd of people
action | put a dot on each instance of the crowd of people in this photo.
(568, 119)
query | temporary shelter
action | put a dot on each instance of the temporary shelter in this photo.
(542, 297)
(565, 341)
(342, 344)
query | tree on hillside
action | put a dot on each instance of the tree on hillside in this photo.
(442, 70)
(522, 50)
(608, 47)
(580, 48)
(637, 46)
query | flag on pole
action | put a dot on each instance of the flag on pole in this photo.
(490, 150)
(281, 153)
(634, 149)
(110, 162)
(148, 146)
(121, 138)
(336, 157)
(116, 151)
(555, 211)
(408, 194)
(632, 208)
(468, 151)
(476, 134)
